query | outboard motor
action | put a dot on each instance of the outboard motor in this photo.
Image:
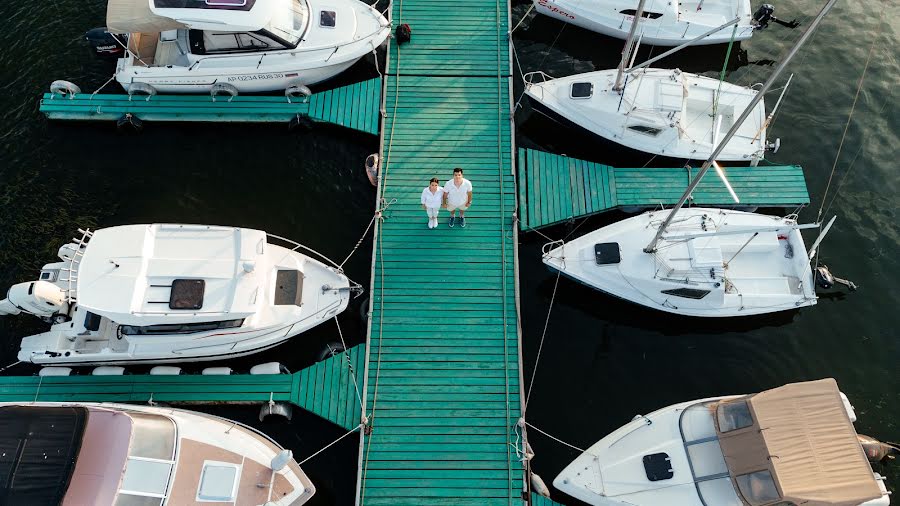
(40, 298)
(104, 44)
(826, 280)
(876, 451)
(764, 14)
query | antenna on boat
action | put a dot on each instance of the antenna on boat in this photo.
(650, 248)
(629, 46)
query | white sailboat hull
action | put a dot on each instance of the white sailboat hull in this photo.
(708, 276)
(661, 112)
(670, 24)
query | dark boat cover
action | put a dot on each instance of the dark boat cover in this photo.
(38, 449)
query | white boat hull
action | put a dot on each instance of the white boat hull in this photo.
(662, 112)
(671, 28)
(710, 276)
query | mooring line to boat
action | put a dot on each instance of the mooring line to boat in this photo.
(541, 346)
(837, 155)
(352, 372)
(378, 214)
(329, 445)
(523, 19)
(11, 365)
(102, 86)
(560, 441)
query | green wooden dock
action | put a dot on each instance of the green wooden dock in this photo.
(555, 189)
(325, 388)
(355, 106)
(443, 372)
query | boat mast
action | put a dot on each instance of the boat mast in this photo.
(629, 45)
(650, 248)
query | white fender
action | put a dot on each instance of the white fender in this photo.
(64, 88)
(296, 91)
(269, 368)
(55, 371)
(137, 88)
(538, 485)
(220, 88)
(276, 408)
(216, 371)
(108, 370)
(165, 370)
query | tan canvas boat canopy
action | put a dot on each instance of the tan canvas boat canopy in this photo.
(127, 16)
(801, 433)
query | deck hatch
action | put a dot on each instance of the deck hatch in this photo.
(187, 294)
(658, 467)
(607, 253)
(581, 90)
(288, 288)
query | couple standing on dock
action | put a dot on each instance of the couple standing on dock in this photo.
(455, 195)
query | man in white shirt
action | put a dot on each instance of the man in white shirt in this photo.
(458, 196)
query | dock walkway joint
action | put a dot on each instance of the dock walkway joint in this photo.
(325, 388)
(555, 188)
(355, 106)
(443, 379)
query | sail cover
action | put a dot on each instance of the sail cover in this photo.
(127, 16)
(802, 435)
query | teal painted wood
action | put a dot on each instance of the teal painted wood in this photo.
(305, 388)
(559, 188)
(355, 106)
(539, 500)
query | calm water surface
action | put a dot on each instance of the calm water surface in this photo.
(603, 360)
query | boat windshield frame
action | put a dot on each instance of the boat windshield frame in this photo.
(687, 453)
(290, 36)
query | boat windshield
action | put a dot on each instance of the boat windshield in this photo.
(698, 432)
(290, 24)
(151, 459)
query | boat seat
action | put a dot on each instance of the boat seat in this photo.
(765, 242)
(762, 286)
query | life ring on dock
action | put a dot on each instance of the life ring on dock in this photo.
(64, 89)
(225, 88)
(139, 88)
(372, 168)
(297, 91)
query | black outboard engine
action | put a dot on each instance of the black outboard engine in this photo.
(764, 14)
(105, 44)
(825, 279)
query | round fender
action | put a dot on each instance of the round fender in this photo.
(281, 409)
(223, 88)
(372, 168)
(300, 121)
(297, 91)
(64, 88)
(128, 123)
(331, 349)
(141, 88)
(538, 485)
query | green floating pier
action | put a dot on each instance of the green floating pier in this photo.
(356, 106)
(554, 188)
(539, 500)
(325, 388)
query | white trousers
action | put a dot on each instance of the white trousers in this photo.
(432, 211)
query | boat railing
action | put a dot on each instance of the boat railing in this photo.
(532, 77)
(297, 246)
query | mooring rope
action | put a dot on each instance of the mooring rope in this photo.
(329, 445)
(560, 441)
(352, 372)
(375, 216)
(11, 365)
(541, 345)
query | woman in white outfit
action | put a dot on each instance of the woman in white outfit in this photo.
(432, 198)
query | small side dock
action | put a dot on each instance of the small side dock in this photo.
(355, 106)
(555, 189)
(325, 388)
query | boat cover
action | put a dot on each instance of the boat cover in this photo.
(802, 434)
(38, 449)
(127, 16)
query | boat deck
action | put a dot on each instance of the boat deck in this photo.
(554, 189)
(443, 372)
(355, 106)
(325, 388)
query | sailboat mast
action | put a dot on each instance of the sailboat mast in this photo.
(737, 124)
(629, 45)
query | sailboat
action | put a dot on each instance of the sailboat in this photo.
(665, 23)
(698, 261)
(166, 293)
(79, 453)
(662, 112)
(190, 46)
(795, 444)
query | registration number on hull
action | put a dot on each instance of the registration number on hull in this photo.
(255, 77)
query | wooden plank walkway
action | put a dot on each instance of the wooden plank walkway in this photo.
(355, 106)
(443, 378)
(555, 188)
(325, 388)
(539, 500)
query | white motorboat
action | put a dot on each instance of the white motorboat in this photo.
(663, 23)
(174, 293)
(190, 46)
(104, 454)
(663, 112)
(794, 444)
(710, 262)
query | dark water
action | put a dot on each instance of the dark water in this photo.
(603, 360)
